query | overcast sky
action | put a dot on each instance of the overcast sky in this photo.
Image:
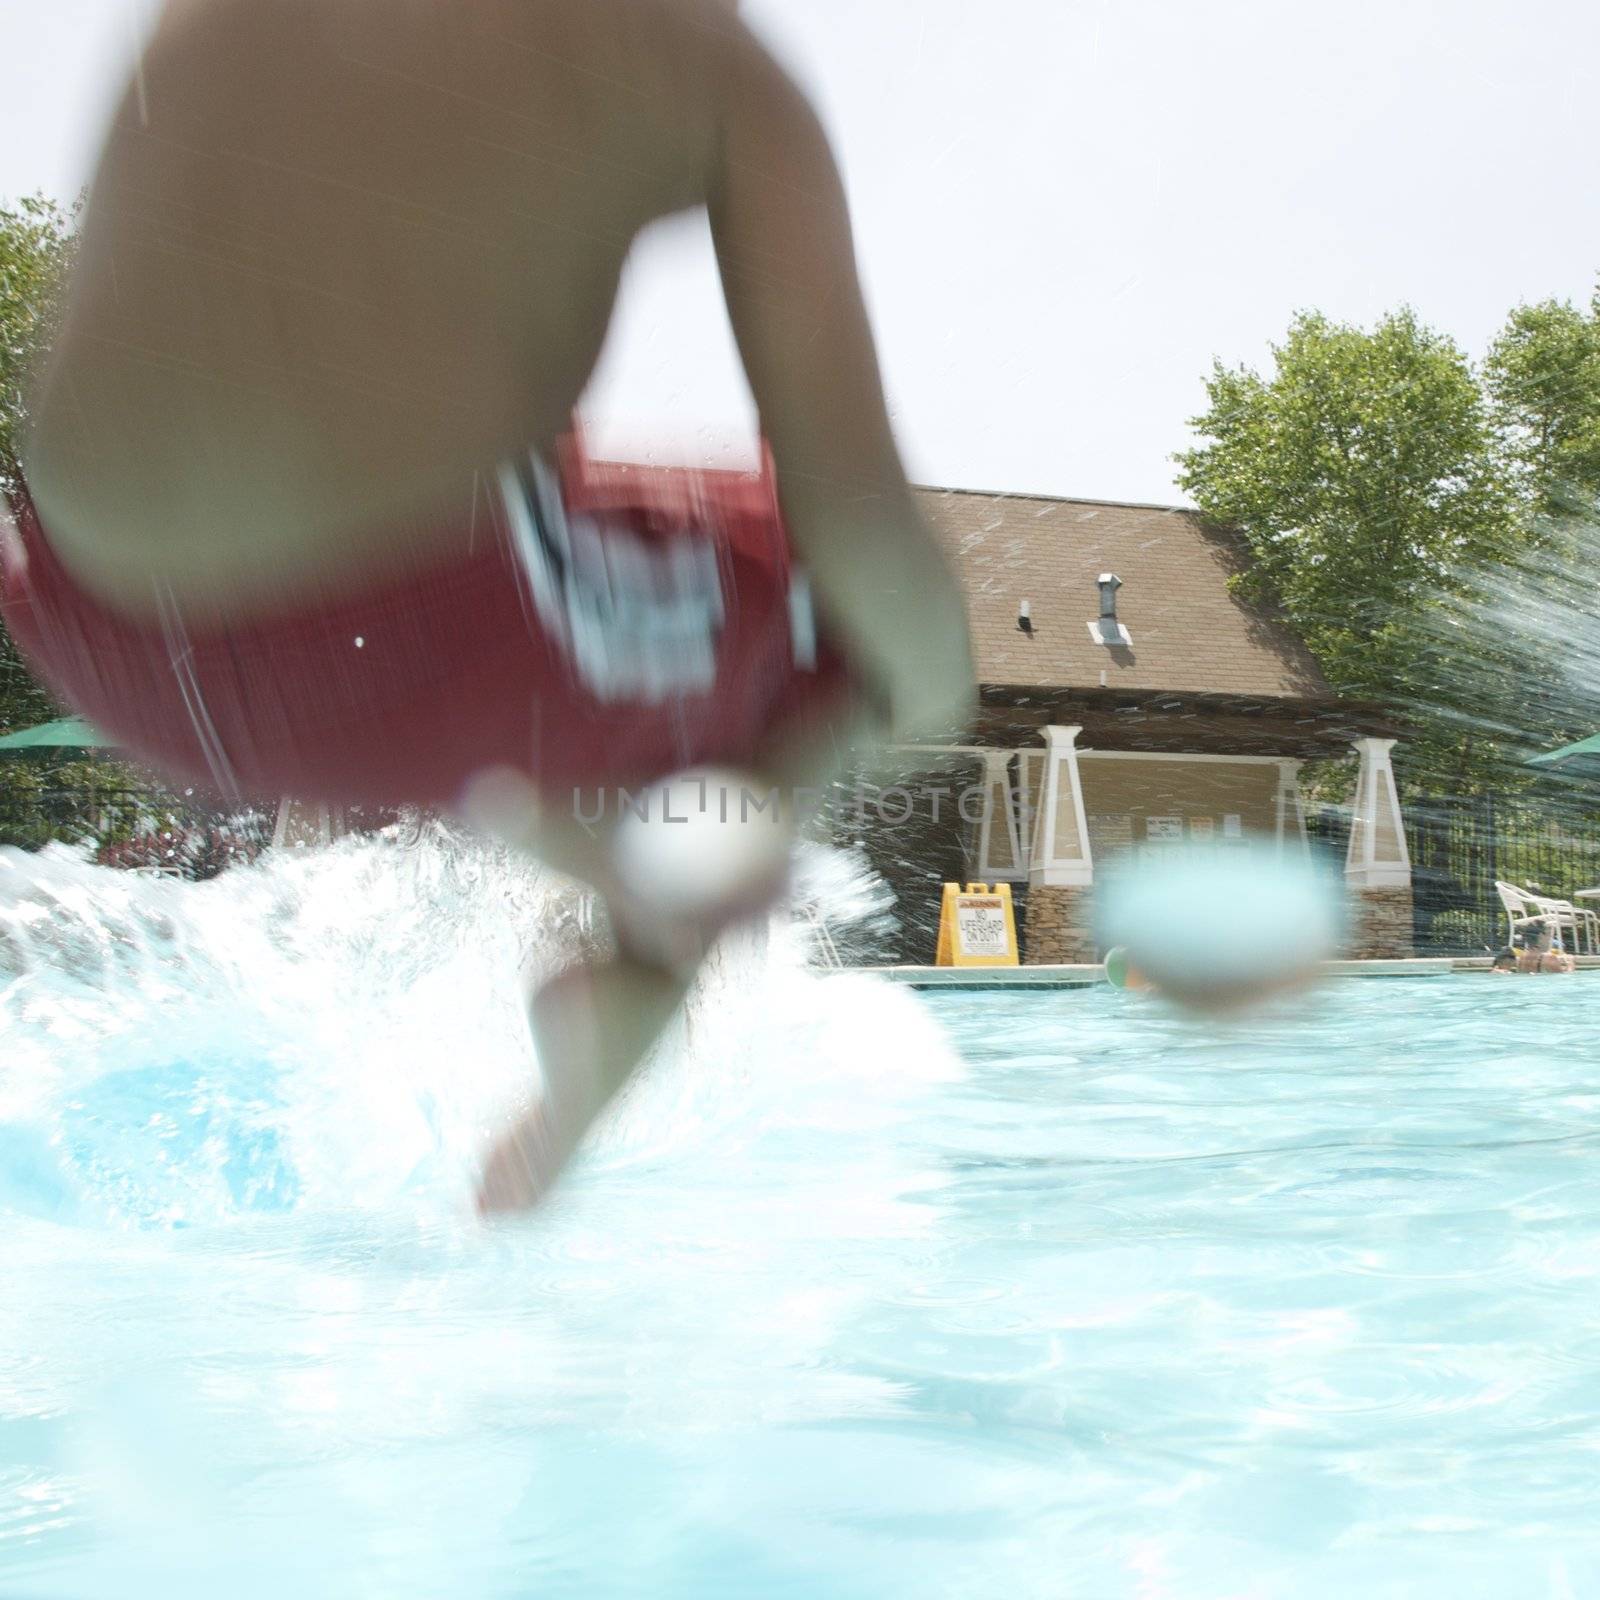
(1065, 210)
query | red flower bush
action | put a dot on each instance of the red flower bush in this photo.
(192, 853)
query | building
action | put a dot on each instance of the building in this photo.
(1129, 699)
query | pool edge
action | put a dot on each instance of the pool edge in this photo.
(1083, 975)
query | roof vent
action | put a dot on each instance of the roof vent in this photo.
(1107, 630)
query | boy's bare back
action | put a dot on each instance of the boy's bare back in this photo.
(338, 257)
(339, 260)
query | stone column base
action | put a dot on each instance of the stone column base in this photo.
(1380, 925)
(1058, 925)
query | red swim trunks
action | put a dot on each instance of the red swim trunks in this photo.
(608, 625)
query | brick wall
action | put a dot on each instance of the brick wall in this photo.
(1380, 924)
(1057, 926)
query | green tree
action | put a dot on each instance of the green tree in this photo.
(36, 243)
(1542, 375)
(1366, 475)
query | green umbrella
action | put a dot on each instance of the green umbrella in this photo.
(66, 733)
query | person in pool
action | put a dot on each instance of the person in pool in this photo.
(302, 512)
(1533, 949)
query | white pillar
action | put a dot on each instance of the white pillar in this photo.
(300, 824)
(1060, 853)
(1290, 815)
(1002, 855)
(1378, 857)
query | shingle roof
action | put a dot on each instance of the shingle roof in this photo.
(1190, 634)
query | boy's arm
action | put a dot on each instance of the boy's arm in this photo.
(784, 250)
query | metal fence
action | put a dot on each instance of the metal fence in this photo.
(126, 824)
(1461, 844)
(34, 812)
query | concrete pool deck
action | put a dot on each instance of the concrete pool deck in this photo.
(1086, 974)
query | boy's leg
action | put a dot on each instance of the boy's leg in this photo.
(592, 1026)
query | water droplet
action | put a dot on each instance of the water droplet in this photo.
(360, 641)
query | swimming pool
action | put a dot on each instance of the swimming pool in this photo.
(860, 1295)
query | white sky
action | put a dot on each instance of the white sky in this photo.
(1065, 210)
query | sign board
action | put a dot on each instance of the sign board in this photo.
(1163, 830)
(1108, 832)
(1232, 826)
(981, 926)
(1202, 827)
(977, 927)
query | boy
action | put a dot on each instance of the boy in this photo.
(301, 512)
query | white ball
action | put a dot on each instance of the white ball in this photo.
(701, 839)
(1217, 928)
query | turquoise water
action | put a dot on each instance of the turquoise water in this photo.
(858, 1295)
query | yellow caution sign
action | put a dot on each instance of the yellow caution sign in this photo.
(977, 927)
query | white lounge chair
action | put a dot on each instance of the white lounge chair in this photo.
(1582, 923)
(1516, 905)
(1523, 906)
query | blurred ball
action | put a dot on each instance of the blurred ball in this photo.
(701, 840)
(1219, 929)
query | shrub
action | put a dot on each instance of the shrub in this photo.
(1461, 931)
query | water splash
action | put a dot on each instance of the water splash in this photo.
(1511, 654)
(336, 1029)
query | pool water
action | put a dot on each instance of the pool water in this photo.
(857, 1295)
